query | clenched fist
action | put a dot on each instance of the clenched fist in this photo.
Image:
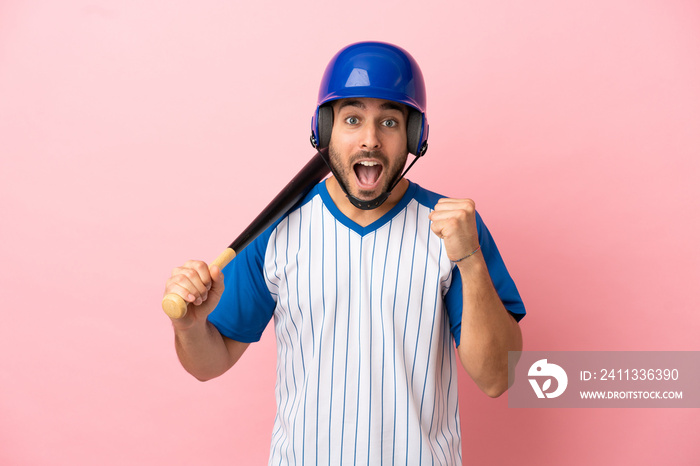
(200, 287)
(454, 221)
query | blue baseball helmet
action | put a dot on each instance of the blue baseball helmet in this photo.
(373, 69)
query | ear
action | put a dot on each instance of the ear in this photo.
(325, 125)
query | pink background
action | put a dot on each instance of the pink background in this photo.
(135, 135)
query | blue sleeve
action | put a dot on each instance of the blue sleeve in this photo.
(246, 306)
(502, 282)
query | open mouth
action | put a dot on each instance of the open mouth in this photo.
(368, 173)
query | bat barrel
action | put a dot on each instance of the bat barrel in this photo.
(313, 172)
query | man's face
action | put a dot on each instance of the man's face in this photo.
(368, 147)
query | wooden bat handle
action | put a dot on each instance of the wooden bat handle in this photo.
(312, 173)
(176, 307)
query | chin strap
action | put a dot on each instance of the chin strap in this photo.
(360, 204)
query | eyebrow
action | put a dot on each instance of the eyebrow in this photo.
(385, 106)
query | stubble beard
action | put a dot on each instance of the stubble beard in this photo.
(346, 173)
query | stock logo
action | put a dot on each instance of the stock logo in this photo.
(546, 371)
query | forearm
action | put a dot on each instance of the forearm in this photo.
(203, 351)
(488, 331)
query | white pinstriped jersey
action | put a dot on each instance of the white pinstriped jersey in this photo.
(366, 370)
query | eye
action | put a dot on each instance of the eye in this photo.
(352, 120)
(390, 123)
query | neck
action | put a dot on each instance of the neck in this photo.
(359, 216)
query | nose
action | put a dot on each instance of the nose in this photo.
(370, 138)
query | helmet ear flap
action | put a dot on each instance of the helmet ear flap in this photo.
(414, 132)
(325, 125)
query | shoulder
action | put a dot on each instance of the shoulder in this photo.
(313, 192)
(424, 196)
(261, 242)
(429, 199)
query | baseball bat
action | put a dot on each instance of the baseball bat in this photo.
(313, 172)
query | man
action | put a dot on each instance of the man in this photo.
(367, 278)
